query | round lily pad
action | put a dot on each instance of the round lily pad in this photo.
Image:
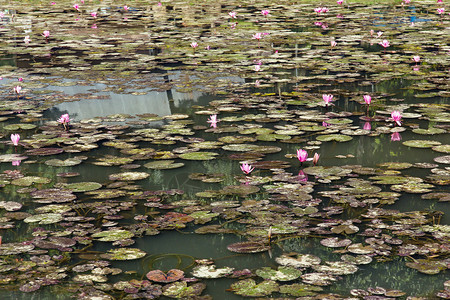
(300, 261)
(248, 247)
(113, 235)
(48, 218)
(123, 254)
(421, 143)
(159, 276)
(442, 148)
(129, 176)
(249, 288)
(163, 165)
(78, 187)
(29, 180)
(443, 159)
(15, 127)
(210, 271)
(334, 137)
(199, 155)
(180, 289)
(63, 163)
(300, 290)
(282, 274)
(45, 151)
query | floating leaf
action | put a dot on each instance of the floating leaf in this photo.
(123, 254)
(248, 247)
(282, 274)
(249, 288)
(211, 271)
(159, 276)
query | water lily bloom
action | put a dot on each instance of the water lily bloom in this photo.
(367, 99)
(327, 98)
(257, 36)
(416, 58)
(14, 163)
(302, 177)
(367, 126)
(315, 158)
(15, 137)
(320, 10)
(126, 8)
(379, 33)
(407, 1)
(64, 119)
(94, 14)
(265, 12)
(384, 43)
(17, 89)
(396, 116)
(333, 44)
(194, 45)
(53, 3)
(76, 6)
(246, 168)
(46, 33)
(340, 2)
(395, 137)
(441, 10)
(213, 121)
(232, 14)
(94, 26)
(302, 155)
(372, 32)
(27, 39)
(257, 68)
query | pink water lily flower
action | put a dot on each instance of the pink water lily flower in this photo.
(257, 68)
(315, 159)
(396, 117)
(194, 45)
(213, 121)
(125, 7)
(46, 33)
(327, 98)
(333, 44)
(407, 1)
(395, 137)
(265, 12)
(246, 168)
(340, 2)
(15, 163)
(384, 43)
(302, 155)
(257, 36)
(367, 126)
(15, 137)
(441, 10)
(94, 26)
(367, 99)
(232, 14)
(416, 58)
(65, 120)
(94, 14)
(27, 39)
(17, 89)
(76, 6)
(379, 33)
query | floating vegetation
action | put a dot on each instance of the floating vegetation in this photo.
(146, 141)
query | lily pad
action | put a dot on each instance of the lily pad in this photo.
(180, 289)
(211, 271)
(123, 254)
(283, 273)
(300, 290)
(421, 143)
(159, 276)
(163, 165)
(113, 235)
(248, 247)
(334, 137)
(249, 288)
(79, 187)
(199, 155)
(129, 176)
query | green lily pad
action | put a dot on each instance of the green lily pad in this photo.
(15, 248)
(202, 217)
(163, 165)
(442, 159)
(12, 157)
(249, 288)
(113, 235)
(210, 271)
(180, 289)
(282, 274)
(43, 219)
(429, 131)
(413, 187)
(129, 176)
(301, 261)
(336, 268)
(426, 266)
(29, 180)
(63, 163)
(300, 290)
(15, 127)
(395, 165)
(442, 148)
(123, 254)
(45, 151)
(242, 190)
(421, 143)
(79, 187)
(334, 137)
(199, 155)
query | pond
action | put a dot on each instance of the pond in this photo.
(224, 150)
